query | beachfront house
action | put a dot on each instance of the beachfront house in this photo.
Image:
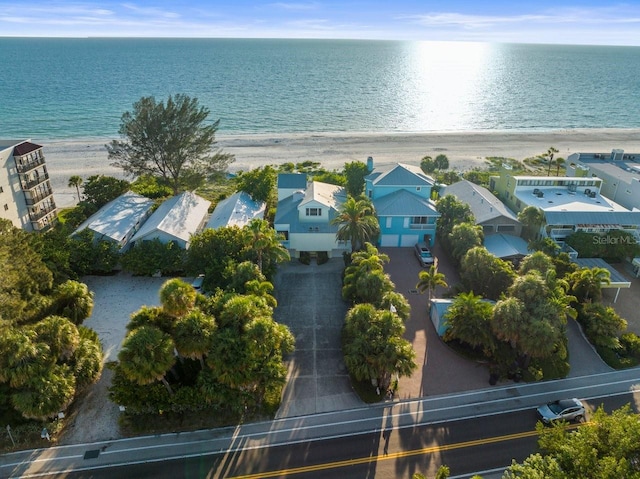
(176, 219)
(237, 210)
(304, 214)
(26, 196)
(401, 196)
(570, 204)
(488, 211)
(619, 171)
(119, 220)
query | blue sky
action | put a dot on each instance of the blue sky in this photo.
(544, 21)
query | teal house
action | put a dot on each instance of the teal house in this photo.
(401, 196)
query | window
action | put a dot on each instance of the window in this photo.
(284, 235)
(389, 221)
(314, 212)
(420, 220)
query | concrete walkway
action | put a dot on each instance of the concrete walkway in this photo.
(310, 303)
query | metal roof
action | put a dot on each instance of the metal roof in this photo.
(401, 175)
(179, 216)
(292, 180)
(484, 205)
(237, 210)
(555, 217)
(117, 218)
(404, 203)
(618, 280)
(506, 246)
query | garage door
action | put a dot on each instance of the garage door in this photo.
(409, 240)
(389, 240)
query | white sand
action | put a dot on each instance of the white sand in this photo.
(465, 150)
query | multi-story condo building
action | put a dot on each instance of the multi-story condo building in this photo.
(570, 204)
(26, 196)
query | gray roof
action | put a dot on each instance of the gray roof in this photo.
(237, 210)
(484, 205)
(617, 279)
(506, 246)
(404, 203)
(401, 175)
(118, 217)
(179, 216)
(292, 181)
(287, 214)
(612, 218)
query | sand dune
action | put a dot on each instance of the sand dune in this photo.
(465, 150)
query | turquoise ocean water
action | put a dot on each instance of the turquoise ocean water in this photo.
(60, 89)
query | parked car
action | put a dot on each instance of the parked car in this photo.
(561, 410)
(197, 283)
(423, 253)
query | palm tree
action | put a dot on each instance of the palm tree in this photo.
(177, 297)
(532, 218)
(60, 334)
(358, 223)
(265, 242)
(559, 162)
(549, 157)
(431, 279)
(146, 355)
(469, 320)
(76, 181)
(46, 393)
(586, 283)
(193, 335)
(73, 300)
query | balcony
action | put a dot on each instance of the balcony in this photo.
(34, 199)
(24, 165)
(28, 183)
(44, 224)
(43, 211)
(419, 226)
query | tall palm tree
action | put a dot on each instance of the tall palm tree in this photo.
(358, 223)
(265, 242)
(559, 162)
(76, 181)
(146, 355)
(429, 280)
(60, 334)
(469, 320)
(46, 393)
(549, 156)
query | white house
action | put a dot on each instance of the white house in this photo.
(303, 216)
(119, 220)
(176, 219)
(237, 210)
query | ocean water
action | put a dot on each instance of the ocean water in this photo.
(57, 89)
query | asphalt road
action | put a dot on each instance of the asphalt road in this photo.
(467, 446)
(471, 432)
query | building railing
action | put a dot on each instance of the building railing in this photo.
(418, 226)
(42, 212)
(27, 165)
(33, 200)
(27, 184)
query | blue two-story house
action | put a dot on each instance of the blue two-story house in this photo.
(401, 196)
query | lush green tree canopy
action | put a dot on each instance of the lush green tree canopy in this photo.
(357, 223)
(170, 141)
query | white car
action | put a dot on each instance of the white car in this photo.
(197, 283)
(561, 410)
(423, 253)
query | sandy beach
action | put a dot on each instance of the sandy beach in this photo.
(465, 150)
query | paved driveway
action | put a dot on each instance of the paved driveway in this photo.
(310, 303)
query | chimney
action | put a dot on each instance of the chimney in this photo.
(370, 164)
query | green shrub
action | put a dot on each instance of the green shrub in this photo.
(323, 257)
(305, 257)
(149, 257)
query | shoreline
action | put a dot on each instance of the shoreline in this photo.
(464, 149)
